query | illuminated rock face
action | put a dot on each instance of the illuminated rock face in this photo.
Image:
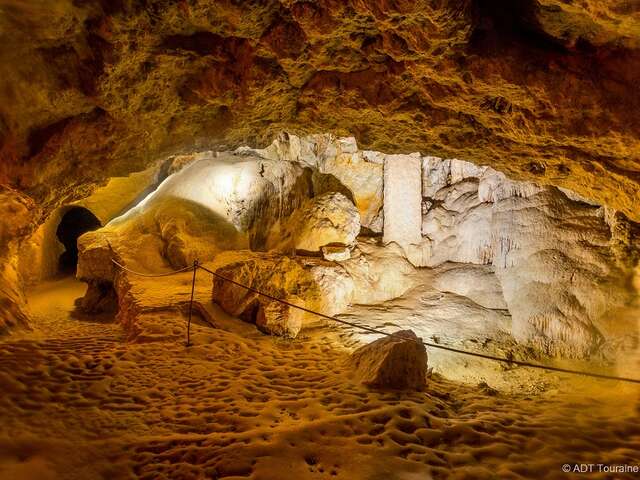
(311, 283)
(560, 265)
(17, 222)
(563, 265)
(330, 218)
(338, 166)
(213, 204)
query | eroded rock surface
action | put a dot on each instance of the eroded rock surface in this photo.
(544, 90)
(310, 283)
(16, 212)
(560, 266)
(564, 265)
(213, 204)
(330, 218)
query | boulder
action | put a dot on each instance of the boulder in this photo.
(398, 361)
(95, 256)
(311, 283)
(279, 319)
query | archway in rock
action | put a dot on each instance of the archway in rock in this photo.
(75, 222)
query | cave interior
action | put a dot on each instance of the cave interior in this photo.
(315, 239)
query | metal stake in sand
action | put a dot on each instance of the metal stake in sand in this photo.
(193, 287)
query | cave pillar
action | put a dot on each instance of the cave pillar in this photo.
(403, 200)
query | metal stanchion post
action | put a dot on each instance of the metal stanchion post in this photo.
(193, 287)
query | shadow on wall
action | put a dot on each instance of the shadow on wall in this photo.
(75, 222)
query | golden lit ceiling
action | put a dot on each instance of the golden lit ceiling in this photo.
(545, 90)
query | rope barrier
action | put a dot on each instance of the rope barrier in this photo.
(157, 275)
(365, 328)
(428, 344)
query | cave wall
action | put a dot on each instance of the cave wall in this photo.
(564, 267)
(38, 255)
(19, 221)
(543, 90)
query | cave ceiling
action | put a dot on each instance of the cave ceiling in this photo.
(545, 90)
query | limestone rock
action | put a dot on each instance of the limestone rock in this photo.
(398, 361)
(402, 199)
(280, 319)
(215, 203)
(328, 219)
(379, 273)
(559, 269)
(311, 283)
(336, 253)
(494, 186)
(99, 298)
(115, 111)
(17, 222)
(95, 255)
(338, 166)
(363, 179)
(476, 282)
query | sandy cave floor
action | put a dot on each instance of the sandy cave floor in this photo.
(79, 401)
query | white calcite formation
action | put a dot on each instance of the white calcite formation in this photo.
(328, 219)
(551, 269)
(213, 204)
(556, 258)
(338, 166)
(398, 361)
(475, 282)
(402, 199)
(336, 253)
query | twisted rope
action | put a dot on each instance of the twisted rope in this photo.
(148, 275)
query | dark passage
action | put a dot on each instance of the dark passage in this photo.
(75, 222)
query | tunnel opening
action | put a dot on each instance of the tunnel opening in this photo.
(74, 223)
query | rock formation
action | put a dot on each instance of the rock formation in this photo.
(211, 205)
(560, 265)
(330, 218)
(311, 283)
(398, 361)
(463, 171)
(558, 258)
(540, 90)
(17, 212)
